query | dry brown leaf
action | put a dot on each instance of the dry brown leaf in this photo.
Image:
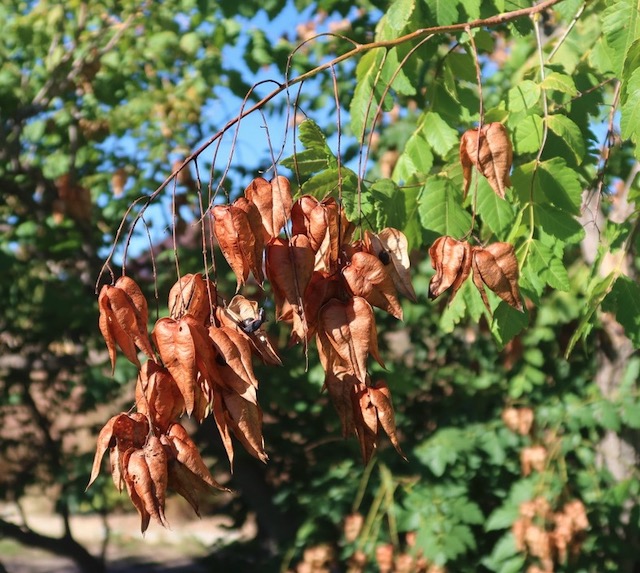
(451, 260)
(392, 248)
(380, 397)
(245, 420)
(128, 318)
(350, 329)
(533, 458)
(339, 381)
(273, 200)
(305, 222)
(497, 267)
(193, 295)
(339, 385)
(493, 160)
(205, 354)
(366, 276)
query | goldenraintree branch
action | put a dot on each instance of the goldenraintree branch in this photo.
(358, 49)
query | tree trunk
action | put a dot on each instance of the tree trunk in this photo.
(65, 546)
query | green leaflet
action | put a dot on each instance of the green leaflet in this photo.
(556, 223)
(527, 134)
(497, 213)
(624, 301)
(393, 75)
(327, 183)
(544, 263)
(598, 289)
(306, 163)
(560, 83)
(621, 27)
(399, 13)
(443, 12)
(554, 182)
(440, 208)
(466, 303)
(390, 204)
(415, 161)
(630, 111)
(524, 97)
(369, 92)
(570, 134)
(507, 322)
(560, 184)
(412, 228)
(317, 155)
(312, 137)
(440, 135)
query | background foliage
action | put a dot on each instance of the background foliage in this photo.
(99, 100)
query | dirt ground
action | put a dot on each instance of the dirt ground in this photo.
(128, 551)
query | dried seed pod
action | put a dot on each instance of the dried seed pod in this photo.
(123, 322)
(367, 277)
(392, 248)
(237, 242)
(491, 152)
(497, 267)
(193, 295)
(273, 200)
(451, 260)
